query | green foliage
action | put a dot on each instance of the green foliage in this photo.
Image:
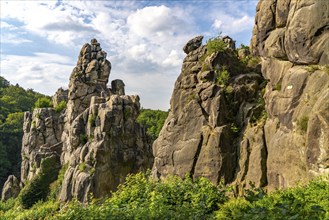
(60, 107)
(215, 45)
(14, 100)
(82, 166)
(56, 186)
(43, 102)
(309, 202)
(143, 198)
(92, 120)
(152, 120)
(222, 76)
(312, 68)
(302, 123)
(38, 188)
(242, 46)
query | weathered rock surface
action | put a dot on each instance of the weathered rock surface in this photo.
(193, 44)
(200, 136)
(102, 141)
(11, 188)
(60, 96)
(42, 138)
(242, 132)
(96, 137)
(297, 129)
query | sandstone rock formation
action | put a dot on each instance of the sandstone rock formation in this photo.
(293, 39)
(214, 96)
(11, 188)
(229, 131)
(96, 139)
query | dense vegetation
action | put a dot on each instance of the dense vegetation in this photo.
(14, 100)
(152, 120)
(143, 198)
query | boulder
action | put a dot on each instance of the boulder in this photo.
(193, 44)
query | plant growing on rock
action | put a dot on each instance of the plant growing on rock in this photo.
(223, 76)
(43, 102)
(215, 45)
(60, 107)
(302, 123)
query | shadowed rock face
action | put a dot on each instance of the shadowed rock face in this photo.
(96, 137)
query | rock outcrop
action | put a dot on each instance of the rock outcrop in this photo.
(96, 138)
(11, 188)
(215, 96)
(292, 37)
(242, 132)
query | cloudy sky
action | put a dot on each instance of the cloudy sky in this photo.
(40, 40)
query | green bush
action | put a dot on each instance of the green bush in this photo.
(60, 107)
(38, 188)
(223, 77)
(43, 102)
(308, 202)
(143, 198)
(215, 45)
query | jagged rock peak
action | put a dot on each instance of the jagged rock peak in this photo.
(92, 65)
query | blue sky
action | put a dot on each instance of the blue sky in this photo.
(40, 40)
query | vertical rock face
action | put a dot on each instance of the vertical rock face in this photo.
(290, 36)
(96, 137)
(102, 142)
(41, 139)
(229, 131)
(215, 96)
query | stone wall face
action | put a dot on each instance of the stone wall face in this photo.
(292, 37)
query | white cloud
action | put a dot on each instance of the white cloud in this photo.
(8, 38)
(143, 39)
(232, 25)
(43, 72)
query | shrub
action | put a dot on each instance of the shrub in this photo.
(43, 102)
(60, 107)
(38, 188)
(223, 77)
(215, 45)
(56, 186)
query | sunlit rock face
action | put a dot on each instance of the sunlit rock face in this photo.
(290, 144)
